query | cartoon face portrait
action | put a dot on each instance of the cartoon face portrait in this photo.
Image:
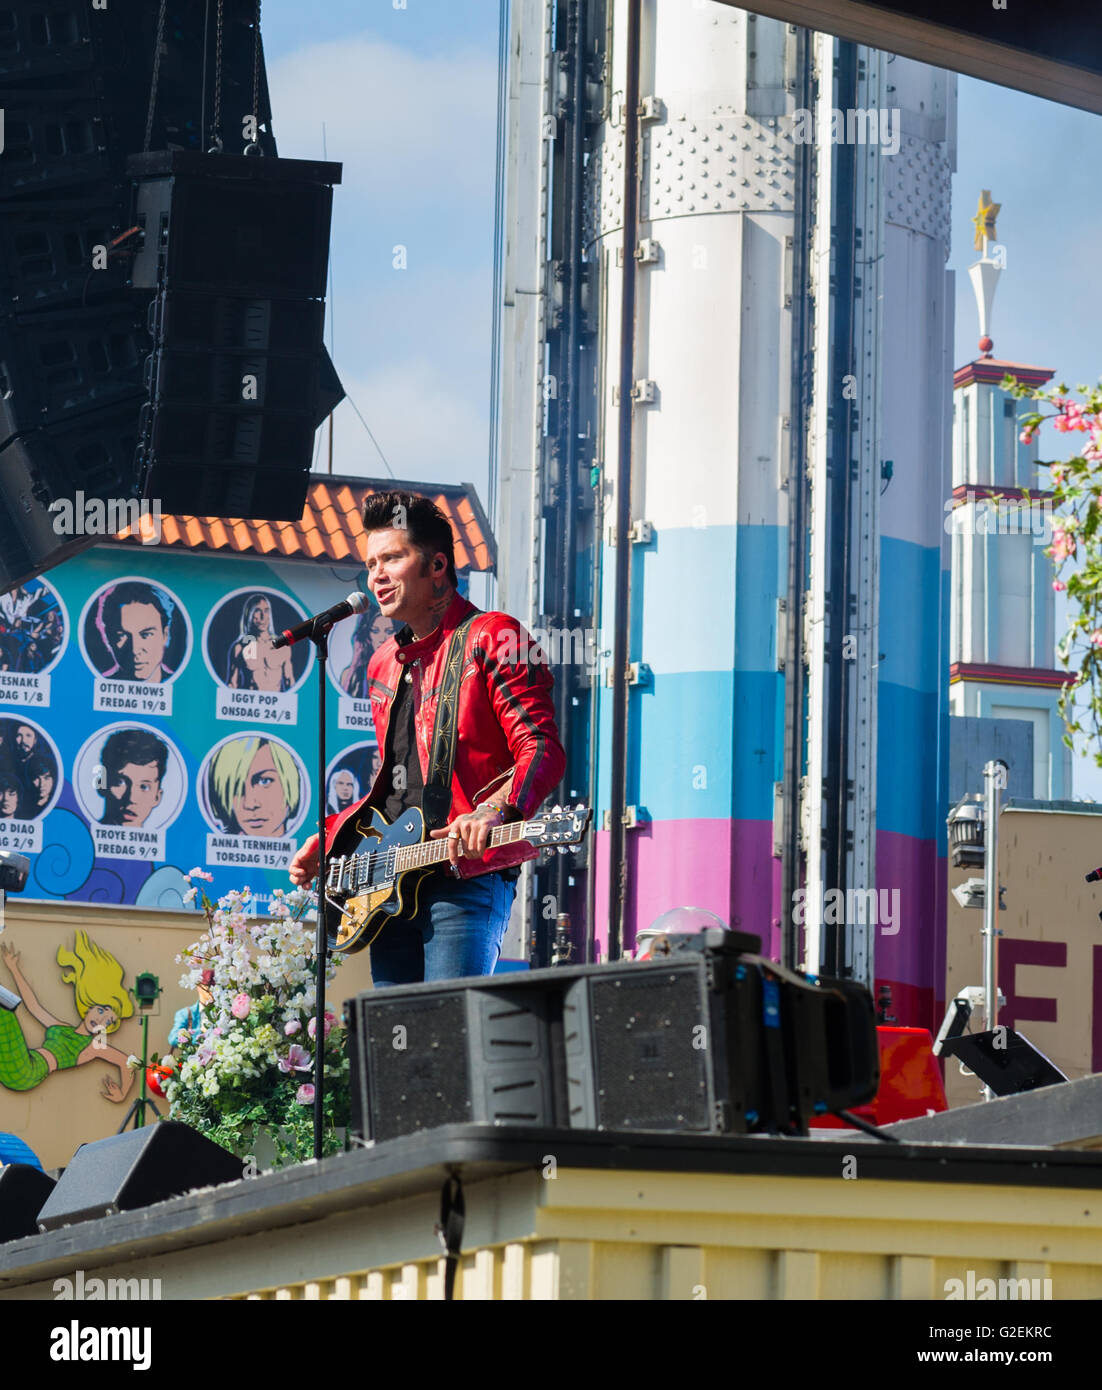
(351, 775)
(33, 628)
(135, 630)
(238, 639)
(253, 785)
(351, 645)
(30, 770)
(130, 775)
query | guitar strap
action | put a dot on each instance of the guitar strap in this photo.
(436, 799)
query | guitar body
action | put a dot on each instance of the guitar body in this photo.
(376, 895)
(374, 869)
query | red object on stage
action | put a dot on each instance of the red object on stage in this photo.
(910, 1081)
(153, 1078)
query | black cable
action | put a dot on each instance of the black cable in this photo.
(453, 1213)
(156, 76)
(858, 1123)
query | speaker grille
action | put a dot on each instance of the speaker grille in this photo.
(417, 1072)
(649, 1073)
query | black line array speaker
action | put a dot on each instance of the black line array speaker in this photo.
(76, 332)
(23, 1192)
(237, 249)
(710, 1039)
(135, 1169)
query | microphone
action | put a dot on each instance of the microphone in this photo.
(1094, 875)
(322, 622)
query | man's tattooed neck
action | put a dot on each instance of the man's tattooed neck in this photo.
(443, 594)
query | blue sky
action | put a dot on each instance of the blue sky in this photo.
(407, 96)
(1039, 161)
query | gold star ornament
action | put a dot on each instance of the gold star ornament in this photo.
(984, 220)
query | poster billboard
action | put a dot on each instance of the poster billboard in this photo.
(148, 725)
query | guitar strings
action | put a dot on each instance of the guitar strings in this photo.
(368, 861)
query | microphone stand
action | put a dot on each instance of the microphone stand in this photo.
(319, 635)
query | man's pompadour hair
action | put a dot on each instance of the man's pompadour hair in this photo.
(429, 529)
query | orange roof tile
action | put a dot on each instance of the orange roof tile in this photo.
(330, 526)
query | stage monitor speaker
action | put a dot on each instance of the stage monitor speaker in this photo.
(1003, 1060)
(23, 1192)
(708, 1039)
(451, 1054)
(673, 1044)
(135, 1169)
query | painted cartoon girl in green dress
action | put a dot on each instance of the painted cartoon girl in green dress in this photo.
(101, 1001)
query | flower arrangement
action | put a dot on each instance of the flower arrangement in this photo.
(1077, 539)
(249, 1065)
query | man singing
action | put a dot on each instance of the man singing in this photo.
(508, 756)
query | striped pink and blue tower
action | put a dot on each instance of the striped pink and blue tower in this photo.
(709, 558)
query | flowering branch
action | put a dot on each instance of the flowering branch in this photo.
(1077, 500)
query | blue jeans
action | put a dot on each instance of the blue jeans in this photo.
(457, 931)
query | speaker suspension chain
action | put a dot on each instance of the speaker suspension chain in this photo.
(255, 149)
(216, 130)
(156, 75)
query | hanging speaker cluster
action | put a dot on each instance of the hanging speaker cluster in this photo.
(237, 252)
(77, 330)
(711, 1039)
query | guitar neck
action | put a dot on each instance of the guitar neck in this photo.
(434, 851)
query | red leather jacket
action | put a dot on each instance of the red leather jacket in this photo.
(506, 720)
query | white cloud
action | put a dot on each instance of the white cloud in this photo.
(409, 129)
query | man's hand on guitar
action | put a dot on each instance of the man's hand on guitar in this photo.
(304, 866)
(470, 835)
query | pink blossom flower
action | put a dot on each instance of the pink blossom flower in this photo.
(204, 1056)
(305, 1094)
(312, 1026)
(1096, 637)
(241, 1006)
(198, 873)
(1059, 585)
(290, 1029)
(297, 1059)
(1063, 544)
(1026, 436)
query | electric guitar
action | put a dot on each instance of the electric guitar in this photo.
(378, 875)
